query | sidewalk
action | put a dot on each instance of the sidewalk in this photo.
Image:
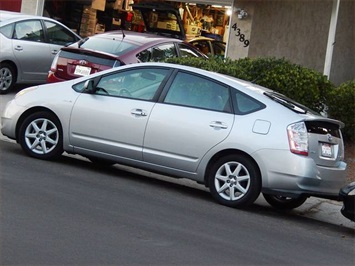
(321, 210)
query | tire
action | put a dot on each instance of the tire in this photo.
(284, 203)
(236, 174)
(41, 136)
(7, 78)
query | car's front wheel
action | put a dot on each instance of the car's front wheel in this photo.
(235, 181)
(284, 203)
(40, 136)
(7, 78)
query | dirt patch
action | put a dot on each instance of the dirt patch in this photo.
(350, 160)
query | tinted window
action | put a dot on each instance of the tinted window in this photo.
(244, 104)
(137, 84)
(7, 30)
(30, 30)
(203, 46)
(161, 52)
(195, 91)
(219, 48)
(111, 46)
(58, 34)
(186, 51)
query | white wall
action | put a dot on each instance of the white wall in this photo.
(32, 7)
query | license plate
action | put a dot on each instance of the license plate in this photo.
(82, 71)
(327, 150)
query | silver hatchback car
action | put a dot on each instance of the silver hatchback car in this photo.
(28, 45)
(237, 138)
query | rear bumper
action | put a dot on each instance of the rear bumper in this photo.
(288, 174)
(52, 78)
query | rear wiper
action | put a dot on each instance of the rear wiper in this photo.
(287, 103)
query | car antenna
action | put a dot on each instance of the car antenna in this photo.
(123, 35)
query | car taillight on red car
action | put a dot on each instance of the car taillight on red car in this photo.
(298, 138)
(54, 63)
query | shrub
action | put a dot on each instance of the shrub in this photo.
(341, 106)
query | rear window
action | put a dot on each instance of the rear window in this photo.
(111, 46)
(323, 128)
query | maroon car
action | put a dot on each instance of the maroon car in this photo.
(116, 48)
(113, 49)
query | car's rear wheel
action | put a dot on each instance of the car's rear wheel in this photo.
(235, 181)
(7, 77)
(40, 136)
(284, 203)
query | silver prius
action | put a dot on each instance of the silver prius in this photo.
(28, 45)
(237, 138)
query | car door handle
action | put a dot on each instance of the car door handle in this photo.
(54, 51)
(138, 112)
(18, 48)
(218, 124)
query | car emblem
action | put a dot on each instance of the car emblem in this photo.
(330, 137)
(83, 62)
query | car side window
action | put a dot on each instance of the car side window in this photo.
(161, 52)
(186, 51)
(139, 84)
(245, 104)
(58, 34)
(219, 48)
(7, 30)
(195, 91)
(29, 30)
(202, 46)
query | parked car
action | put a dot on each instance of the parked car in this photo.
(28, 45)
(209, 46)
(347, 195)
(237, 138)
(113, 49)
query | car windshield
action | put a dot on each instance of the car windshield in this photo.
(289, 103)
(111, 46)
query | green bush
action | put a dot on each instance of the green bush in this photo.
(304, 85)
(341, 104)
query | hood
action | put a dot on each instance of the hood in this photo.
(162, 19)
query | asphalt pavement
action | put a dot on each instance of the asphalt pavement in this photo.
(315, 208)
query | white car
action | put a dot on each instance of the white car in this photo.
(237, 138)
(28, 45)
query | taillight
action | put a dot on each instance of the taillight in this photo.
(298, 138)
(54, 63)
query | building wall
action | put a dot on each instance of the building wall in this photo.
(343, 63)
(298, 31)
(32, 7)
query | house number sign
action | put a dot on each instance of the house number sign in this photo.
(240, 35)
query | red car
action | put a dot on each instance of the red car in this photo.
(116, 48)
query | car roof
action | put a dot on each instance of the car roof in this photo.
(137, 38)
(9, 15)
